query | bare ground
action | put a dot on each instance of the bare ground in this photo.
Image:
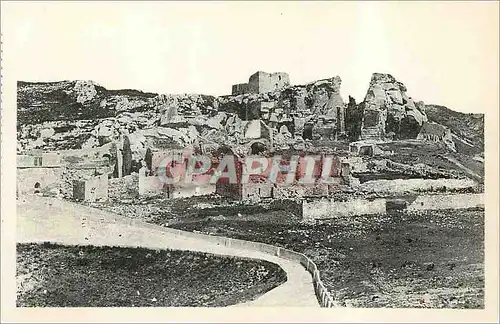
(432, 259)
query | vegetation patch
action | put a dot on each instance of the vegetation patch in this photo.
(50, 275)
(432, 259)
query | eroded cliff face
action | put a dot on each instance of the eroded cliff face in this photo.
(388, 112)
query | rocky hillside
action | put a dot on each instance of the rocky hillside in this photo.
(75, 100)
(82, 114)
(467, 129)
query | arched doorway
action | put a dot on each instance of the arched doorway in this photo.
(37, 187)
(257, 148)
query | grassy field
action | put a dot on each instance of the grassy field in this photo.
(51, 275)
(429, 260)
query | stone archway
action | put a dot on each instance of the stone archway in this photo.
(37, 186)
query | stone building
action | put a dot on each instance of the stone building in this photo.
(37, 171)
(91, 190)
(238, 89)
(155, 170)
(262, 82)
(260, 187)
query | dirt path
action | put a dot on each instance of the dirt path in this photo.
(42, 219)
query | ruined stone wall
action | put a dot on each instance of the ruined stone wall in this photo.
(437, 202)
(91, 190)
(239, 88)
(296, 191)
(47, 178)
(191, 190)
(257, 191)
(38, 160)
(262, 82)
(97, 155)
(416, 185)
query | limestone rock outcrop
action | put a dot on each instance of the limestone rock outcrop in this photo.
(388, 110)
(82, 114)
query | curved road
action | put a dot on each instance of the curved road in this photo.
(42, 219)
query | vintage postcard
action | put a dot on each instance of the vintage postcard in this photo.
(250, 161)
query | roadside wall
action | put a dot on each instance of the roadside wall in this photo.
(324, 297)
(327, 208)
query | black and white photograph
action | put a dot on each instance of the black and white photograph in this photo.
(219, 154)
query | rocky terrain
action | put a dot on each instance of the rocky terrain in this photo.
(467, 129)
(426, 259)
(82, 114)
(432, 259)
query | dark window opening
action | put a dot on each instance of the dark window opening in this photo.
(38, 161)
(366, 150)
(308, 132)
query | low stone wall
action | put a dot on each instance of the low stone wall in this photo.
(437, 202)
(30, 180)
(154, 186)
(327, 208)
(180, 191)
(416, 185)
(91, 190)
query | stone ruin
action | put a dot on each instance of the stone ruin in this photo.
(92, 189)
(265, 114)
(262, 82)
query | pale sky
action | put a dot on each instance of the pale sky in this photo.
(445, 52)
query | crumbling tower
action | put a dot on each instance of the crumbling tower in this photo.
(262, 82)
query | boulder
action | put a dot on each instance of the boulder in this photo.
(105, 130)
(47, 132)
